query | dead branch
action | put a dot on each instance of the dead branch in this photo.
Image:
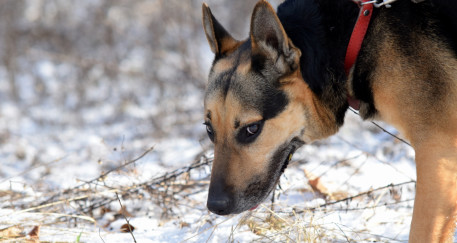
(99, 178)
(125, 217)
(151, 186)
(348, 199)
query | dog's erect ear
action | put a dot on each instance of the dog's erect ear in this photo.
(219, 39)
(269, 39)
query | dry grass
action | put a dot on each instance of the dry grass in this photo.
(172, 193)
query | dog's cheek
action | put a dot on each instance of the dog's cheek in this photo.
(259, 189)
(255, 193)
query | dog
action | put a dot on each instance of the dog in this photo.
(286, 86)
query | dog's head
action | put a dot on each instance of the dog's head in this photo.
(257, 110)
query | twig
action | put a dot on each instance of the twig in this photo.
(34, 167)
(384, 130)
(390, 239)
(355, 196)
(128, 223)
(357, 170)
(212, 227)
(345, 236)
(374, 206)
(100, 235)
(150, 185)
(51, 204)
(372, 155)
(103, 175)
(391, 134)
(100, 201)
(87, 218)
(337, 163)
(99, 177)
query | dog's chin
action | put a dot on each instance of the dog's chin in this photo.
(284, 160)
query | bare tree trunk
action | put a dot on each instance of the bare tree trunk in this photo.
(10, 10)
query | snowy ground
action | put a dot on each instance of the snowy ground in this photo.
(40, 162)
(100, 129)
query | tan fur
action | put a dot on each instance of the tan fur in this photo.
(317, 116)
(229, 45)
(404, 99)
(223, 65)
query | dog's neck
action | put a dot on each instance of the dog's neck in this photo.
(321, 30)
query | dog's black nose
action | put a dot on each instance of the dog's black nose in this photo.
(219, 205)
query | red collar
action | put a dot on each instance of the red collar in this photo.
(355, 43)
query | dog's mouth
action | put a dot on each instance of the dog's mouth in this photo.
(288, 159)
(289, 152)
(293, 146)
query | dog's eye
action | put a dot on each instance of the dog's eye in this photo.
(209, 130)
(252, 129)
(249, 133)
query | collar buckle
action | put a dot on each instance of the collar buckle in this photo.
(378, 3)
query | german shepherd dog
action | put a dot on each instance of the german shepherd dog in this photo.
(285, 86)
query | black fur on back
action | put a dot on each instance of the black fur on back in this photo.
(447, 10)
(321, 30)
(302, 22)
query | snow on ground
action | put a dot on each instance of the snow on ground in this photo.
(38, 160)
(109, 131)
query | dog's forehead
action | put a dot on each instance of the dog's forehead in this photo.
(236, 103)
(253, 91)
(232, 75)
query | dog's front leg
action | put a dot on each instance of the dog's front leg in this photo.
(435, 205)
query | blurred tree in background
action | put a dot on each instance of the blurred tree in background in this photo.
(112, 56)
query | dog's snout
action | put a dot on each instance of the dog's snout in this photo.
(220, 199)
(219, 205)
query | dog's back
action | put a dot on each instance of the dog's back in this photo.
(406, 71)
